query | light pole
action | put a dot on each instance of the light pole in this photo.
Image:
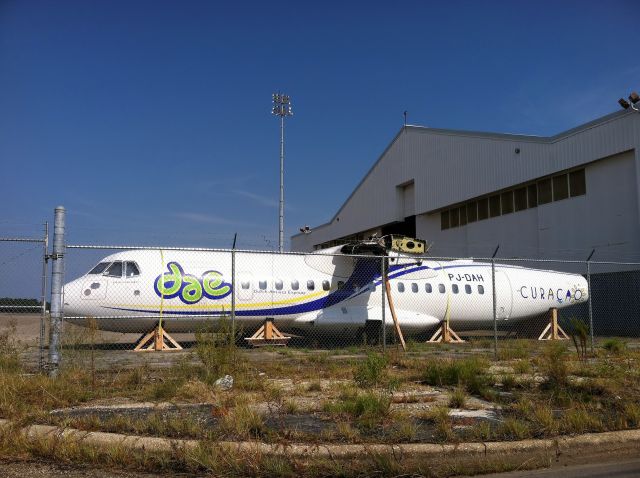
(282, 108)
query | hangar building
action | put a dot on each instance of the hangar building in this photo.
(466, 192)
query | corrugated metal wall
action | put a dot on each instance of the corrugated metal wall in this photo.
(448, 167)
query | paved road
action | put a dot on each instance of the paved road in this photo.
(621, 469)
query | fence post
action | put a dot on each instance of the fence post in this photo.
(43, 313)
(233, 289)
(495, 317)
(590, 309)
(57, 277)
(383, 286)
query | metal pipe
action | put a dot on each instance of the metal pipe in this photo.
(43, 314)
(495, 315)
(57, 273)
(383, 275)
(590, 308)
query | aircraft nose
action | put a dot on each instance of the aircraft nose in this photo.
(71, 293)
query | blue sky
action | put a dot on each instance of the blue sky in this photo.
(150, 120)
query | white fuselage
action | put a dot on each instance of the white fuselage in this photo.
(338, 293)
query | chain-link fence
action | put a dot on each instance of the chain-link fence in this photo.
(154, 298)
(23, 294)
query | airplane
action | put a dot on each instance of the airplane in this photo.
(334, 291)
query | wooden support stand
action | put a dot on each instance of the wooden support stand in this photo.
(158, 340)
(553, 331)
(446, 335)
(268, 334)
(393, 314)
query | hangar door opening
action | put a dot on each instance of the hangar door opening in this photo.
(406, 207)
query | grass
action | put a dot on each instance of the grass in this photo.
(354, 397)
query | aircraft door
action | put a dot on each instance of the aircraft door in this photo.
(504, 296)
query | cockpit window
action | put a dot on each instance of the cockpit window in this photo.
(131, 269)
(114, 270)
(99, 269)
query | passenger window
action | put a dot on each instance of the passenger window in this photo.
(400, 287)
(414, 287)
(132, 269)
(114, 270)
(295, 285)
(480, 289)
(262, 284)
(454, 288)
(244, 284)
(99, 269)
(340, 284)
(467, 289)
(279, 284)
(311, 285)
(326, 285)
(428, 288)
(441, 288)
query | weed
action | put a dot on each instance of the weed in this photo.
(9, 350)
(581, 420)
(347, 432)
(554, 365)
(515, 349)
(542, 419)
(405, 431)
(614, 345)
(579, 335)
(467, 372)
(314, 387)
(368, 408)
(166, 389)
(458, 398)
(441, 420)
(513, 429)
(509, 382)
(631, 414)
(372, 371)
(216, 349)
(243, 423)
(522, 366)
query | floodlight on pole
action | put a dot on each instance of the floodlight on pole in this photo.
(634, 98)
(281, 108)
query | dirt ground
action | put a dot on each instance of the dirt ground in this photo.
(36, 469)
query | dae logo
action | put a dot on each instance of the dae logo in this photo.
(189, 288)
